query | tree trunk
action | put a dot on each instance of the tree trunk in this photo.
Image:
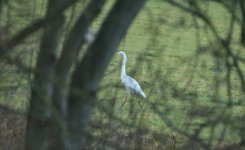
(242, 5)
(89, 72)
(68, 57)
(69, 53)
(40, 120)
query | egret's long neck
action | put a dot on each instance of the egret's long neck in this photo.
(123, 72)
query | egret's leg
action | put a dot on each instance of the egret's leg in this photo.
(123, 102)
(139, 103)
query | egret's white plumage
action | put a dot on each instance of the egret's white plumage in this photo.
(130, 84)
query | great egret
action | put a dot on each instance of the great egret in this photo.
(130, 84)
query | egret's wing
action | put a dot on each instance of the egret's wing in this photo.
(133, 86)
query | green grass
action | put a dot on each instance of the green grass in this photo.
(167, 36)
(161, 47)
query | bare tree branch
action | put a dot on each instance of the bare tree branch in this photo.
(242, 6)
(220, 41)
(6, 46)
(70, 52)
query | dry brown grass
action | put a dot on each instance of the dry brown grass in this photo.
(12, 129)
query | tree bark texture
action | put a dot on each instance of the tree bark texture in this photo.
(8, 46)
(69, 53)
(68, 57)
(40, 126)
(89, 72)
(242, 5)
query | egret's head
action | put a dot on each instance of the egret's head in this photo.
(121, 53)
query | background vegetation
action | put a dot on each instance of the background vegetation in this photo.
(188, 57)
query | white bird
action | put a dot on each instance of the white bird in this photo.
(130, 84)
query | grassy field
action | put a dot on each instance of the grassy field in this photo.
(186, 88)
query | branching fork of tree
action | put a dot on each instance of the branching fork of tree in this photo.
(63, 94)
(60, 110)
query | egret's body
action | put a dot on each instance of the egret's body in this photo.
(130, 84)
